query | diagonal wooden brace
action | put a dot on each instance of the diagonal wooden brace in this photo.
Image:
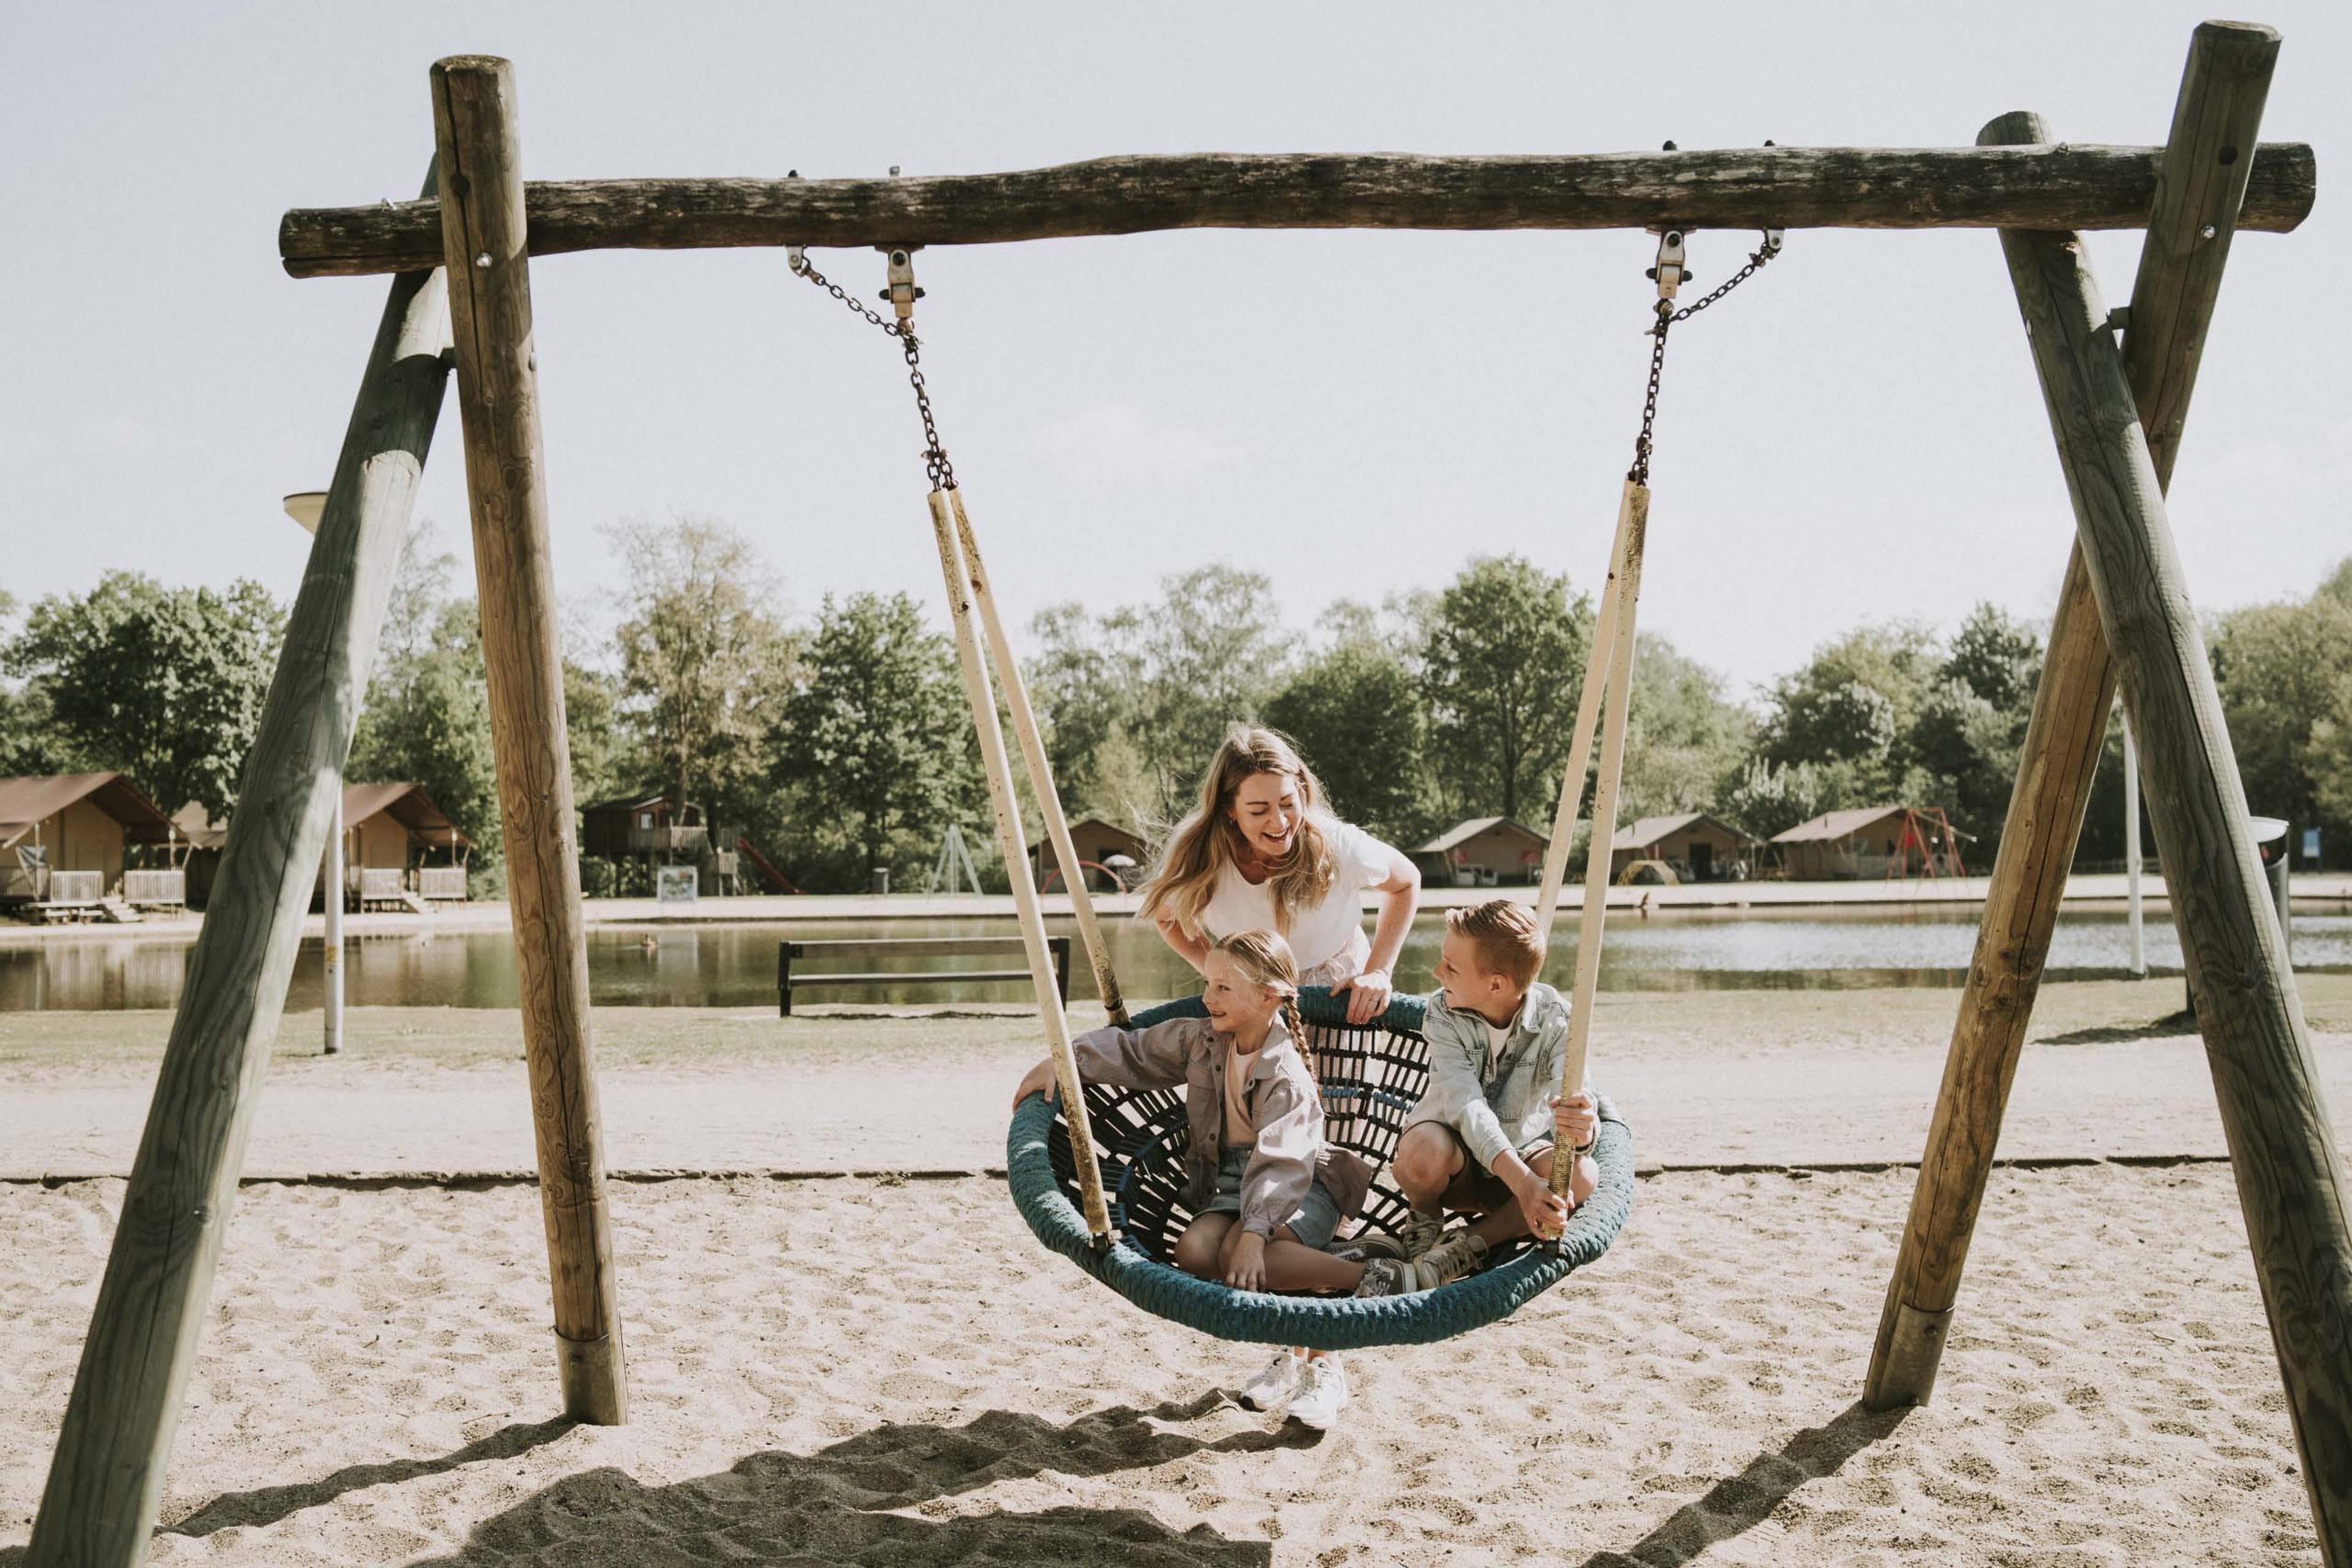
(2197, 204)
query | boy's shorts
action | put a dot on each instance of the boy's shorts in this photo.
(1477, 1189)
(1315, 1224)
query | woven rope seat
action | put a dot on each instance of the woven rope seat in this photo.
(1371, 1077)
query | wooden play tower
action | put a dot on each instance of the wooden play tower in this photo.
(2116, 384)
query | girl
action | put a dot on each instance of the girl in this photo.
(1266, 1193)
(1261, 853)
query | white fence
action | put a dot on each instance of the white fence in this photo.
(442, 882)
(380, 884)
(77, 886)
(154, 887)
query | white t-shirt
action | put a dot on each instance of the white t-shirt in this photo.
(1321, 933)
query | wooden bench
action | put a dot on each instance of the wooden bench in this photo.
(871, 949)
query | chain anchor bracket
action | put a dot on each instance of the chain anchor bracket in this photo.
(898, 281)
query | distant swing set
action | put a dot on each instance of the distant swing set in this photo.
(2116, 384)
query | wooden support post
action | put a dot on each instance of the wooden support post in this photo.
(1588, 717)
(474, 125)
(2282, 1149)
(1625, 591)
(1012, 841)
(2219, 107)
(1040, 772)
(107, 1474)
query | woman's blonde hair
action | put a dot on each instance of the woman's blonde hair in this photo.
(1206, 841)
(1264, 959)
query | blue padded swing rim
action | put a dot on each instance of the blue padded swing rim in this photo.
(1317, 1322)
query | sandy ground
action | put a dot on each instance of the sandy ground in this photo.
(376, 1388)
(884, 1370)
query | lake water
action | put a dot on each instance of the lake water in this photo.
(715, 965)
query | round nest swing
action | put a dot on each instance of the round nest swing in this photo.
(1371, 1075)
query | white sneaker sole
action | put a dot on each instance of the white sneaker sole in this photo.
(1315, 1421)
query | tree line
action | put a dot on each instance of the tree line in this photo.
(839, 742)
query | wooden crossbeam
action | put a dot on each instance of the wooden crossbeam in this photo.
(2042, 187)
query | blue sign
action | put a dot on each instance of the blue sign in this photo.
(2311, 846)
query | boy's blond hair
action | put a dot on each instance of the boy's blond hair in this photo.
(1504, 936)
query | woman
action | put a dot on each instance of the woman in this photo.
(1263, 852)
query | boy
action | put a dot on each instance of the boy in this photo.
(1481, 1140)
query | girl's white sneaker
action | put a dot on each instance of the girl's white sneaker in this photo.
(1275, 1383)
(1322, 1394)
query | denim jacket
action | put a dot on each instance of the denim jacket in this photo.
(1511, 1109)
(1284, 1102)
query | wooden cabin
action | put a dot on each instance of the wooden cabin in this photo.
(1113, 856)
(1870, 841)
(1698, 846)
(70, 838)
(1483, 852)
(654, 830)
(651, 823)
(399, 848)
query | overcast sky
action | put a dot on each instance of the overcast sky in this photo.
(1856, 434)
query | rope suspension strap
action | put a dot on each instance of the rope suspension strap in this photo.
(1609, 673)
(982, 647)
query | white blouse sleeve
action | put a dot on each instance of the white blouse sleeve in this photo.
(1364, 858)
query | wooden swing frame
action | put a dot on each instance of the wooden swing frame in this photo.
(2123, 621)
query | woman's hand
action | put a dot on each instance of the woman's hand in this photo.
(1246, 1271)
(1576, 1119)
(1039, 1079)
(1367, 994)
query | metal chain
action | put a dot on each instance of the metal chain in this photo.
(1667, 316)
(935, 457)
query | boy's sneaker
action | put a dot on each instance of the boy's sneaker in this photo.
(1420, 1232)
(1464, 1252)
(1365, 1245)
(1322, 1394)
(1275, 1383)
(1387, 1276)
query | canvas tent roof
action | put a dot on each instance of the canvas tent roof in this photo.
(629, 802)
(27, 800)
(1648, 830)
(1836, 825)
(1463, 832)
(406, 803)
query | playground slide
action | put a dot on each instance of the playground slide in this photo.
(784, 884)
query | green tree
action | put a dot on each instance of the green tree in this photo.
(1767, 799)
(163, 684)
(1156, 683)
(1355, 711)
(29, 739)
(1850, 710)
(703, 661)
(1504, 656)
(875, 743)
(1210, 653)
(1687, 742)
(2282, 669)
(427, 716)
(1085, 681)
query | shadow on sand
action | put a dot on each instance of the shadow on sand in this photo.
(1741, 1502)
(834, 1506)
